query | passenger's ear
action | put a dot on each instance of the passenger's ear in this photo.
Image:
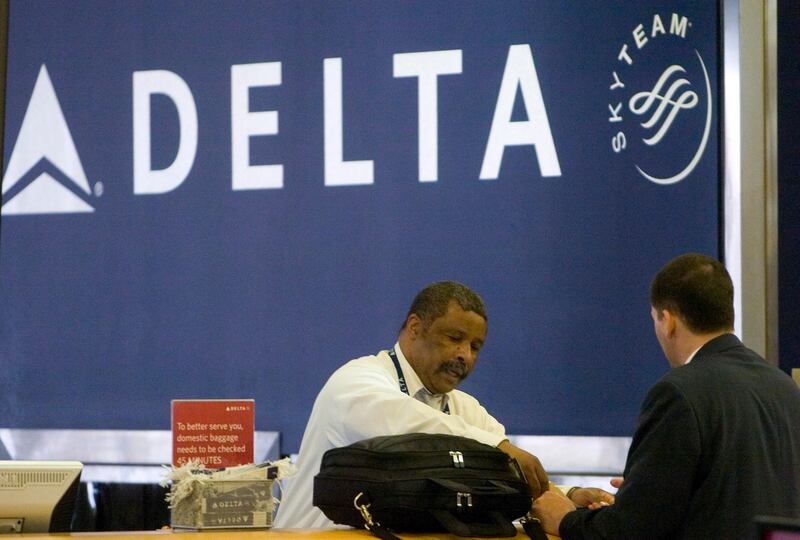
(670, 322)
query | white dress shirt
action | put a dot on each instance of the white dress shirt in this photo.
(691, 356)
(362, 399)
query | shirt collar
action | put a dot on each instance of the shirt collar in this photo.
(691, 356)
(415, 387)
(413, 382)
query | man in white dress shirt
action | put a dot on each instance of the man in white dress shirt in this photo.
(410, 388)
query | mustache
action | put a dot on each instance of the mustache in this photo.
(457, 366)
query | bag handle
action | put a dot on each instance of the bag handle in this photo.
(498, 526)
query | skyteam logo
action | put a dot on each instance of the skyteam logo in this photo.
(661, 111)
(44, 174)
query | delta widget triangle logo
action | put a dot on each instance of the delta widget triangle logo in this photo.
(44, 174)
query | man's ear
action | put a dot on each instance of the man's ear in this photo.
(670, 322)
(414, 325)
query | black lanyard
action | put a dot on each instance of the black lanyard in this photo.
(401, 380)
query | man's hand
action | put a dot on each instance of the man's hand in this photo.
(531, 467)
(551, 508)
(591, 497)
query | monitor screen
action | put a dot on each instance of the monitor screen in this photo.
(777, 528)
(38, 496)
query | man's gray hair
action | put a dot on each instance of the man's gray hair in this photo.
(432, 301)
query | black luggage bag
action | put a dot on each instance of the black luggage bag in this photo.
(422, 482)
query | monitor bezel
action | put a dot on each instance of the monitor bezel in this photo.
(38, 507)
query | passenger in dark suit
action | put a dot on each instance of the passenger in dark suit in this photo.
(718, 440)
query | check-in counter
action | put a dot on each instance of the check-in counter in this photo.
(120, 488)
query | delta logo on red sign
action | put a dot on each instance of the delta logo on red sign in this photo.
(45, 174)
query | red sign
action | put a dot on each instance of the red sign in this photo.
(216, 432)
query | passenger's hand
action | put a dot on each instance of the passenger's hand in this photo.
(591, 497)
(617, 482)
(531, 467)
(551, 508)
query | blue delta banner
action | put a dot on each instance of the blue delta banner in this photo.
(232, 199)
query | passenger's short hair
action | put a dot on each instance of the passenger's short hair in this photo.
(432, 301)
(698, 289)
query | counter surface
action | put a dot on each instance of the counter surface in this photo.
(260, 534)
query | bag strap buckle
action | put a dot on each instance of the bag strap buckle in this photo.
(372, 526)
(364, 509)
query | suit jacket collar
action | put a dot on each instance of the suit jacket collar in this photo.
(718, 344)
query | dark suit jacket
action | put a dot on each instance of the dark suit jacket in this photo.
(718, 442)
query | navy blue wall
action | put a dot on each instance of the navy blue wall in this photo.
(118, 294)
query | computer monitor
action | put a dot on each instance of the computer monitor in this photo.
(777, 528)
(38, 496)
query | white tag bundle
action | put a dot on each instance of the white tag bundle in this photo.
(234, 497)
